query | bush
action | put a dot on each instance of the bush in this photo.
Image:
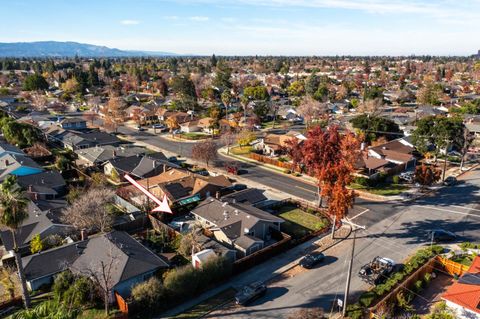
(62, 282)
(362, 181)
(418, 286)
(396, 179)
(80, 294)
(355, 311)
(427, 278)
(367, 298)
(286, 171)
(148, 294)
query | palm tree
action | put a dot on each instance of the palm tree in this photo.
(13, 211)
(226, 99)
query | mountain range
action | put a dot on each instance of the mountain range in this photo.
(68, 49)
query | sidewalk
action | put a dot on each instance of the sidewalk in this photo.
(267, 271)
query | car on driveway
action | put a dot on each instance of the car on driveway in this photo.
(377, 271)
(250, 292)
(441, 235)
(312, 259)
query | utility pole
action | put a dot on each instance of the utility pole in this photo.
(445, 160)
(354, 227)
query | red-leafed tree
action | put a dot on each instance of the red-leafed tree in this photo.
(427, 175)
(329, 156)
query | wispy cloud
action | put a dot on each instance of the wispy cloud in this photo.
(170, 17)
(199, 18)
(130, 22)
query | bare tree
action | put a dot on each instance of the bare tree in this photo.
(372, 107)
(89, 211)
(114, 112)
(228, 138)
(310, 109)
(101, 271)
(205, 151)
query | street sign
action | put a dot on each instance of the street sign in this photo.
(340, 303)
(162, 204)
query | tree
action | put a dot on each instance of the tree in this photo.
(13, 211)
(245, 137)
(296, 89)
(372, 107)
(374, 127)
(330, 157)
(427, 175)
(172, 124)
(90, 116)
(258, 92)
(438, 131)
(222, 76)
(114, 112)
(35, 82)
(36, 244)
(310, 109)
(228, 138)
(71, 86)
(205, 151)
(148, 293)
(311, 84)
(90, 210)
(429, 94)
(226, 99)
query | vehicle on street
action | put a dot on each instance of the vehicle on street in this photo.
(377, 271)
(407, 176)
(250, 292)
(312, 259)
(441, 235)
(139, 128)
(450, 181)
(231, 168)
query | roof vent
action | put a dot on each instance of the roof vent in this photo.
(224, 204)
(236, 212)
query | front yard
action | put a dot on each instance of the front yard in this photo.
(194, 136)
(299, 223)
(202, 309)
(241, 150)
(382, 189)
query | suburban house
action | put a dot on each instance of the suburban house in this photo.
(463, 296)
(205, 124)
(372, 167)
(142, 114)
(181, 187)
(76, 140)
(399, 152)
(44, 223)
(240, 226)
(189, 127)
(274, 144)
(6, 148)
(289, 113)
(209, 248)
(45, 185)
(18, 165)
(251, 196)
(138, 166)
(130, 261)
(97, 155)
(73, 123)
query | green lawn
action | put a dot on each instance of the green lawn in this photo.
(278, 124)
(299, 223)
(385, 190)
(208, 305)
(194, 136)
(241, 150)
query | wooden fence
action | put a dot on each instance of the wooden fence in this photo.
(262, 255)
(406, 284)
(452, 267)
(274, 162)
(122, 303)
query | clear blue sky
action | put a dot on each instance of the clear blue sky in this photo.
(247, 27)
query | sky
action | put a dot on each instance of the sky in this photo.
(252, 27)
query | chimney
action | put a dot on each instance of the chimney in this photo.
(6, 162)
(83, 235)
(217, 195)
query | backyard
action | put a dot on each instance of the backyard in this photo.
(299, 223)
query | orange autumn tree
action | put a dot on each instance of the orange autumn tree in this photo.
(329, 156)
(427, 175)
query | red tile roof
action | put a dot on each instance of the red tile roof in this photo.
(466, 295)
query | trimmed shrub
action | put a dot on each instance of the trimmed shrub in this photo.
(396, 179)
(367, 298)
(362, 181)
(418, 286)
(427, 278)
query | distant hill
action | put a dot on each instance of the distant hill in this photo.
(68, 49)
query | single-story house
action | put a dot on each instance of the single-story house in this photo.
(399, 151)
(76, 140)
(274, 144)
(43, 223)
(73, 123)
(98, 155)
(189, 127)
(45, 185)
(138, 166)
(128, 261)
(18, 165)
(239, 226)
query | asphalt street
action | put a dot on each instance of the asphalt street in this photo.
(396, 236)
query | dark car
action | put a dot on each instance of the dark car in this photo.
(441, 235)
(250, 293)
(450, 181)
(311, 260)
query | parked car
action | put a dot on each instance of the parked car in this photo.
(377, 271)
(250, 292)
(139, 128)
(407, 176)
(450, 181)
(311, 260)
(441, 235)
